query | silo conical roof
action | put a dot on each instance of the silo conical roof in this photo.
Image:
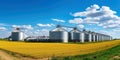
(75, 30)
(59, 29)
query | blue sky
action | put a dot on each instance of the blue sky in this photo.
(43, 15)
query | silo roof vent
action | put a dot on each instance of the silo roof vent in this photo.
(84, 30)
(58, 26)
(75, 30)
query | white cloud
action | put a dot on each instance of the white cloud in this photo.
(113, 32)
(45, 25)
(76, 21)
(3, 28)
(93, 7)
(116, 30)
(45, 32)
(89, 20)
(23, 26)
(95, 11)
(37, 32)
(4, 34)
(102, 16)
(81, 26)
(57, 20)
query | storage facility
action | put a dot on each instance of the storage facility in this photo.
(59, 34)
(76, 35)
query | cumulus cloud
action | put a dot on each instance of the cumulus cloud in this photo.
(112, 32)
(95, 11)
(37, 32)
(4, 34)
(102, 16)
(44, 32)
(76, 21)
(23, 26)
(45, 25)
(57, 20)
(3, 28)
(81, 26)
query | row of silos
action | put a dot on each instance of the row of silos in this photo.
(61, 35)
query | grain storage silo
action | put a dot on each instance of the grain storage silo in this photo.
(96, 36)
(74, 35)
(17, 35)
(84, 36)
(93, 36)
(58, 34)
(90, 36)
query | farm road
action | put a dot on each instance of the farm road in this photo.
(6, 56)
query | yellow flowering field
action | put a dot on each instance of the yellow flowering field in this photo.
(44, 50)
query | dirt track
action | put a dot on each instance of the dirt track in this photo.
(6, 56)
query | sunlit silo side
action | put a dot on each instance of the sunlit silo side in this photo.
(74, 35)
(58, 34)
(17, 35)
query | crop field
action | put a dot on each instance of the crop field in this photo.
(45, 50)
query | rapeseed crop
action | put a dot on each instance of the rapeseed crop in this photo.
(45, 50)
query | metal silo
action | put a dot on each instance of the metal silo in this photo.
(58, 34)
(17, 35)
(90, 36)
(84, 36)
(75, 35)
(96, 36)
(93, 36)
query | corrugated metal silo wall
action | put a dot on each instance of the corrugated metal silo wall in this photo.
(74, 36)
(86, 37)
(95, 37)
(92, 37)
(58, 36)
(15, 36)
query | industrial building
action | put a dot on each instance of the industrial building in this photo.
(59, 34)
(37, 38)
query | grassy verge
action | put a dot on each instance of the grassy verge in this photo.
(109, 54)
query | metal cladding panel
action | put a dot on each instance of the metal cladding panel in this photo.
(65, 35)
(99, 37)
(75, 36)
(92, 37)
(82, 37)
(86, 37)
(17, 36)
(95, 37)
(60, 36)
(21, 36)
